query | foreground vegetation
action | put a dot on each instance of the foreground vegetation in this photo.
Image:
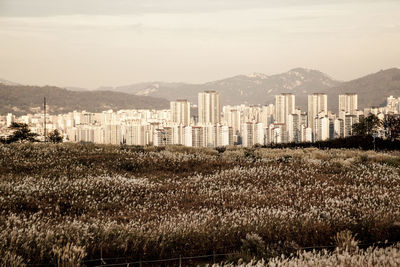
(70, 203)
(373, 256)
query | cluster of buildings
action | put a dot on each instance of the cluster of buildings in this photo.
(213, 126)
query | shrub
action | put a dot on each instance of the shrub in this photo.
(345, 241)
(69, 255)
(253, 245)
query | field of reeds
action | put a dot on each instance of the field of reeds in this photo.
(74, 203)
(370, 257)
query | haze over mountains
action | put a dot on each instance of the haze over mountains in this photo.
(251, 89)
(261, 89)
(256, 88)
(372, 89)
(20, 100)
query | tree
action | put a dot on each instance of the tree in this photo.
(367, 126)
(21, 133)
(391, 124)
(55, 136)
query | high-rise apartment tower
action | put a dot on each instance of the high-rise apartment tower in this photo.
(209, 107)
(317, 106)
(348, 103)
(180, 112)
(284, 106)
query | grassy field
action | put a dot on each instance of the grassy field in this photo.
(71, 203)
(372, 256)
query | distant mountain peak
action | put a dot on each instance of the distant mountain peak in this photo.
(300, 69)
(148, 90)
(311, 73)
(308, 71)
(257, 75)
(254, 88)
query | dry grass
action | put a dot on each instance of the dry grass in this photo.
(147, 202)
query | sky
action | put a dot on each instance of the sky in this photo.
(92, 43)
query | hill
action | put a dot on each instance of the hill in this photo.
(72, 88)
(372, 89)
(259, 88)
(256, 88)
(24, 99)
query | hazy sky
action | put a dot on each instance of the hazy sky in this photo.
(91, 43)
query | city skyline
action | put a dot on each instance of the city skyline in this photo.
(214, 126)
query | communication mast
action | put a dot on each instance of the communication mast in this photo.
(44, 119)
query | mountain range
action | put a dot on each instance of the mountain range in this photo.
(258, 88)
(372, 89)
(21, 99)
(253, 89)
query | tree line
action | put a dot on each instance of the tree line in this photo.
(368, 134)
(371, 125)
(21, 133)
